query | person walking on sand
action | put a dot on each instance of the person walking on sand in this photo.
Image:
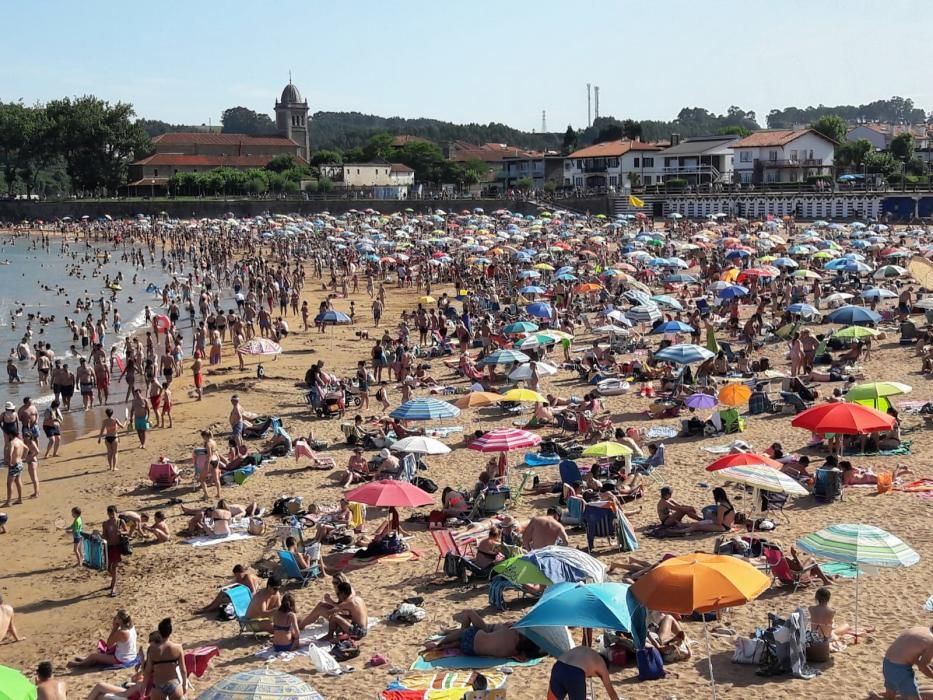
(139, 414)
(238, 421)
(109, 432)
(14, 452)
(913, 647)
(196, 365)
(112, 535)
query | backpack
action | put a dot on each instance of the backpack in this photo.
(424, 484)
(650, 664)
(345, 650)
(453, 565)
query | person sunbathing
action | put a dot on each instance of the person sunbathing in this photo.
(634, 568)
(810, 566)
(357, 468)
(301, 559)
(120, 644)
(285, 631)
(853, 476)
(241, 577)
(453, 503)
(478, 638)
(667, 635)
(7, 627)
(329, 523)
(671, 513)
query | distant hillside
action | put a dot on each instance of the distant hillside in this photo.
(343, 131)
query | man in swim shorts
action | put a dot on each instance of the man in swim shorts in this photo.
(914, 647)
(14, 452)
(570, 671)
(112, 532)
(139, 412)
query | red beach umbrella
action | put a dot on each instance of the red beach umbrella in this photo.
(743, 459)
(843, 418)
(386, 493)
(505, 440)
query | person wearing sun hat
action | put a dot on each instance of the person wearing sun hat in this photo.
(386, 464)
(9, 421)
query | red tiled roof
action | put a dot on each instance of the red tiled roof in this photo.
(488, 152)
(185, 160)
(777, 137)
(401, 168)
(612, 149)
(186, 138)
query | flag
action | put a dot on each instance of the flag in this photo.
(635, 201)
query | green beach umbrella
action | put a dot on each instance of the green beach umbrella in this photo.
(521, 572)
(15, 686)
(862, 545)
(875, 394)
(856, 332)
(607, 449)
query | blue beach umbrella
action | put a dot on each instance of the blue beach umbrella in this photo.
(685, 354)
(668, 301)
(803, 309)
(532, 289)
(673, 327)
(608, 606)
(733, 291)
(878, 293)
(853, 316)
(646, 313)
(540, 310)
(425, 409)
(333, 317)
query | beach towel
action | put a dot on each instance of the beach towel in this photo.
(739, 445)
(920, 486)
(197, 660)
(535, 460)
(312, 636)
(351, 561)
(444, 680)
(902, 449)
(443, 432)
(210, 540)
(661, 432)
(452, 658)
(840, 569)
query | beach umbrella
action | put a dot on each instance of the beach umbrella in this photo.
(668, 301)
(505, 440)
(762, 478)
(700, 401)
(853, 316)
(261, 684)
(637, 296)
(673, 327)
(700, 583)
(607, 449)
(425, 409)
(523, 396)
(888, 271)
(15, 686)
(619, 317)
(478, 398)
(803, 309)
(520, 327)
(427, 300)
(540, 310)
(743, 459)
(504, 357)
(259, 346)
(784, 262)
(532, 289)
(545, 369)
(734, 394)
(552, 564)
(733, 291)
(607, 605)
(680, 278)
(535, 341)
(878, 293)
(333, 317)
(685, 354)
(875, 394)
(420, 444)
(855, 332)
(860, 545)
(643, 313)
(842, 418)
(387, 493)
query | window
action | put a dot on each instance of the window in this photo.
(793, 155)
(578, 181)
(636, 163)
(567, 181)
(646, 162)
(794, 176)
(647, 179)
(771, 176)
(746, 178)
(613, 162)
(745, 157)
(613, 180)
(155, 172)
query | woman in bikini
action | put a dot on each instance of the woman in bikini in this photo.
(109, 428)
(165, 669)
(725, 515)
(212, 468)
(285, 632)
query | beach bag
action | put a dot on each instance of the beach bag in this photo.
(453, 565)
(243, 473)
(345, 650)
(256, 526)
(424, 484)
(885, 482)
(748, 651)
(125, 547)
(650, 665)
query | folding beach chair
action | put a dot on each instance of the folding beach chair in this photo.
(569, 472)
(648, 465)
(780, 569)
(163, 475)
(446, 544)
(574, 514)
(732, 422)
(599, 522)
(827, 485)
(240, 597)
(293, 571)
(409, 468)
(518, 494)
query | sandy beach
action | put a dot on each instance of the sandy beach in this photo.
(62, 610)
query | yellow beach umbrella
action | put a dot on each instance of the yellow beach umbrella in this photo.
(524, 395)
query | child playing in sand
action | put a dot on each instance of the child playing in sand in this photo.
(75, 529)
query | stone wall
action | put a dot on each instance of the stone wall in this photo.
(16, 211)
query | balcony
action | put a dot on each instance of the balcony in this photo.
(791, 163)
(702, 169)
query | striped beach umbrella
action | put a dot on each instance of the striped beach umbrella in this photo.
(763, 479)
(638, 297)
(644, 314)
(860, 545)
(260, 684)
(504, 357)
(684, 354)
(425, 409)
(505, 440)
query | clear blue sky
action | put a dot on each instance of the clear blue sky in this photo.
(479, 60)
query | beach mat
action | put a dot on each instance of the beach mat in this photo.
(535, 460)
(444, 680)
(452, 659)
(903, 449)
(349, 560)
(208, 541)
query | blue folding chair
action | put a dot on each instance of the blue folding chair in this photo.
(240, 597)
(94, 552)
(293, 571)
(569, 472)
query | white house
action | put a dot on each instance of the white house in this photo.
(881, 134)
(385, 180)
(785, 155)
(699, 159)
(610, 164)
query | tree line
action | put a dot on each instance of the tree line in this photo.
(82, 143)
(896, 110)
